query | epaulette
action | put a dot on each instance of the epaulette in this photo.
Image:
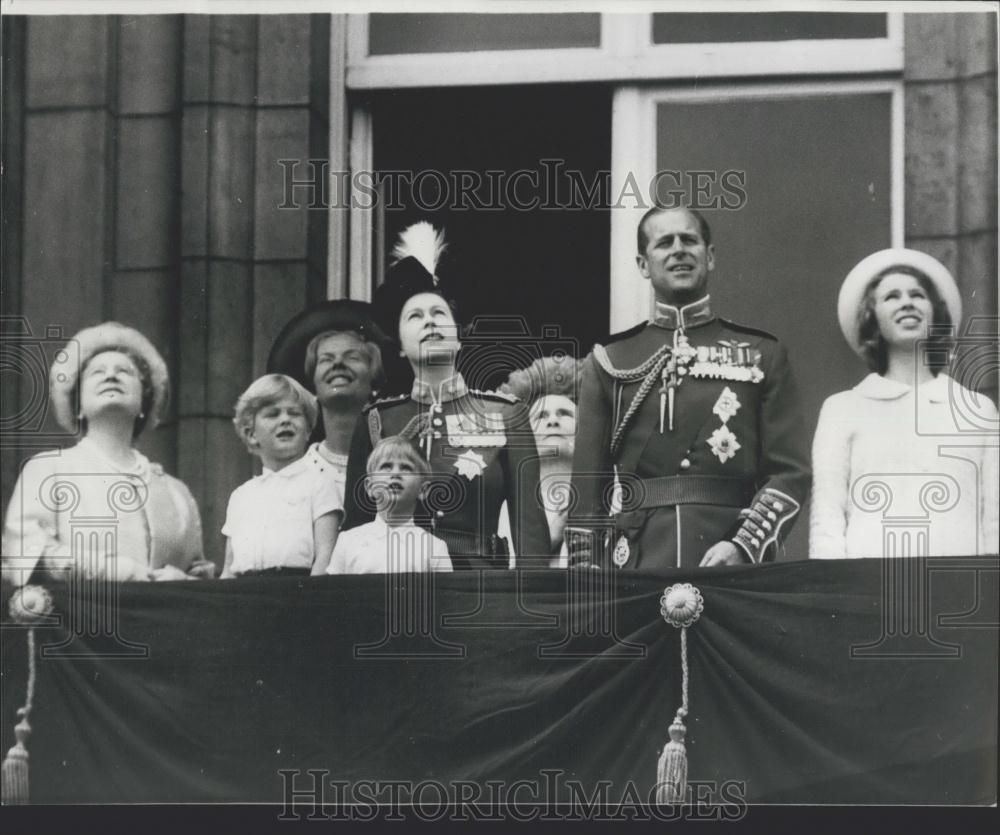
(618, 337)
(747, 329)
(386, 401)
(496, 395)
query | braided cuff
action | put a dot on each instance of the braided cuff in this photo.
(586, 545)
(762, 522)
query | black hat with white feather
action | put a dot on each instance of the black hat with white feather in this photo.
(415, 269)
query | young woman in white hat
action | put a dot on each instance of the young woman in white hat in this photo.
(905, 463)
(101, 508)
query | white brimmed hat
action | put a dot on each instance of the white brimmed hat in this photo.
(853, 289)
(91, 341)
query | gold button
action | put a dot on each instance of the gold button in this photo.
(685, 464)
(440, 513)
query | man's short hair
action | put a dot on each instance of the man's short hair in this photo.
(369, 347)
(266, 390)
(642, 241)
(399, 446)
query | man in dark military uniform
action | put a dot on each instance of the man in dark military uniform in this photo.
(698, 416)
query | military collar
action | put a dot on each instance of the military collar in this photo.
(688, 316)
(450, 389)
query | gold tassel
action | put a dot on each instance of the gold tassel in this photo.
(28, 605)
(672, 769)
(680, 606)
(15, 765)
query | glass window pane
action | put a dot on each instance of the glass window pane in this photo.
(816, 175)
(397, 34)
(764, 26)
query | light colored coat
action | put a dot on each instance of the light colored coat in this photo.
(73, 509)
(899, 471)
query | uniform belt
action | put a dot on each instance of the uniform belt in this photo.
(463, 543)
(668, 491)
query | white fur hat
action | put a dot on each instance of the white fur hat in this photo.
(852, 291)
(91, 341)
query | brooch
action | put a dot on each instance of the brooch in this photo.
(470, 464)
(723, 444)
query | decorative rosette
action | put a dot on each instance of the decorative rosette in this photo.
(30, 605)
(681, 604)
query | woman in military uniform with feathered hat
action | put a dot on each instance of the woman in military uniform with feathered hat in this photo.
(479, 444)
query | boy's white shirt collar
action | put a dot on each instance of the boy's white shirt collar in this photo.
(384, 527)
(285, 472)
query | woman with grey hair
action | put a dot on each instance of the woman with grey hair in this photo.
(107, 385)
(550, 386)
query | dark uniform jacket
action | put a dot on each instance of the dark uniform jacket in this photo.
(734, 465)
(481, 451)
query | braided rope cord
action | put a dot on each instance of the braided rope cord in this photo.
(649, 371)
(374, 426)
(416, 427)
(684, 669)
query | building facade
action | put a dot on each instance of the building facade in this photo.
(203, 178)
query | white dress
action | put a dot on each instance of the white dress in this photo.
(899, 471)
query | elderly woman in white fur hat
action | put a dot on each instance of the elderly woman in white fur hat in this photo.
(905, 463)
(100, 508)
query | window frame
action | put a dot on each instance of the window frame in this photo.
(633, 150)
(626, 54)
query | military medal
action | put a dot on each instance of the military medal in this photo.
(485, 430)
(732, 360)
(470, 464)
(723, 444)
(673, 371)
(621, 553)
(727, 405)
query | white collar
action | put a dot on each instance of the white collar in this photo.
(877, 387)
(140, 467)
(287, 471)
(383, 528)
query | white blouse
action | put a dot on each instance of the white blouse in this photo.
(899, 471)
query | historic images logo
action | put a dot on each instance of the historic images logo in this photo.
(550, 186)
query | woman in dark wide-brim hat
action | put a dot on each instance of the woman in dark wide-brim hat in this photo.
(108, 384)
(479, 444)
(877, 453)
(334, 349)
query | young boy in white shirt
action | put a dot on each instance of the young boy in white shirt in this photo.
(396, 478)
(286, 519)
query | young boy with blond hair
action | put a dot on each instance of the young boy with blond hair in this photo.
(286, 519)
(396, 479)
